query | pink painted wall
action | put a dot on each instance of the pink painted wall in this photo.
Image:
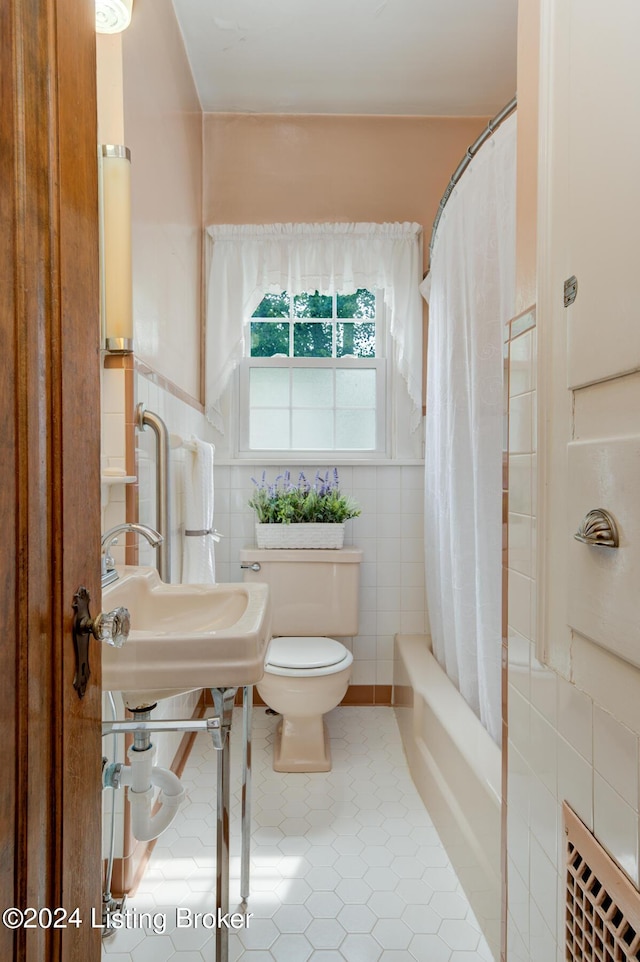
(527, 175)
(163, 128)
(268, 168)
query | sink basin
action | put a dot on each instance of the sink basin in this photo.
(184, 636)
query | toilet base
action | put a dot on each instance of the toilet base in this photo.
(302, 745)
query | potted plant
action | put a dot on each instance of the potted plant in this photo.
(302, 515)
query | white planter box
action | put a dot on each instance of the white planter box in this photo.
(299, 535)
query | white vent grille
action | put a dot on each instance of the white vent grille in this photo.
(602, 907)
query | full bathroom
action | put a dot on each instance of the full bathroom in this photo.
(393, 293)
(349, 865)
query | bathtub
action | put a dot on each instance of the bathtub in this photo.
(456, 767)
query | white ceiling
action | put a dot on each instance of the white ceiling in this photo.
(426, 57)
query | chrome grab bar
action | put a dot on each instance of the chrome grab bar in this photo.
(146, 419)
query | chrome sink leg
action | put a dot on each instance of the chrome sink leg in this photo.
(247, 706)
(223, 699)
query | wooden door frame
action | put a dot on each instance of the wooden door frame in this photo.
(50, 798)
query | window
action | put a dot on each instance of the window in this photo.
(360, 339)
(315, 377)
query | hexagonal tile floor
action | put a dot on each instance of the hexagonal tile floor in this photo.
(345, 866)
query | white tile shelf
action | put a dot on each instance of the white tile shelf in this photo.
(110, 479)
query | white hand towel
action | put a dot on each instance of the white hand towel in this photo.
(198, 557)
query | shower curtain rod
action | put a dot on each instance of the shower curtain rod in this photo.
(490, 129)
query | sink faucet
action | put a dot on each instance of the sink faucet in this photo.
(110, 537)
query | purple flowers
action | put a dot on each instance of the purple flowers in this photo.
(283, 502)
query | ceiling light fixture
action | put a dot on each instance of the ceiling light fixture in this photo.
(113, 16)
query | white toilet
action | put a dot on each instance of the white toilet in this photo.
(314, 594)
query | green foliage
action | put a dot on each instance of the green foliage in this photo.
(313, 305)
(269, 338)
(285, 503)
(312, 319)
(312, 340)
(358, 339)
(273, 305)
(362, 304)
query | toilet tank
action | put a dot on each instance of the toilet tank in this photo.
(313, 591)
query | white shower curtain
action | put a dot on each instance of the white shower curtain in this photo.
(472, 284)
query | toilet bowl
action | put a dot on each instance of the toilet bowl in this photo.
(304, 679)
(307, 673)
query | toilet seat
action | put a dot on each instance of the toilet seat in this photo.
(300, 656)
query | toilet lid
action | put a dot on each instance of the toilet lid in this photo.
(305, 652)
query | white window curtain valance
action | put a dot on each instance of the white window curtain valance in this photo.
(246, 261)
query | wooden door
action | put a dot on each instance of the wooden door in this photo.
(50, 747)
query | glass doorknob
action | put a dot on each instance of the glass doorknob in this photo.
(112, 627)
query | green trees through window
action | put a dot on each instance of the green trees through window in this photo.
(315, 325)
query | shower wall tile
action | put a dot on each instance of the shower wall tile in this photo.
(519, 722)
(615, 755)
(518, 913)
(575, 718)
(544, 885)
(575, 778)
(414, 623)
(615, 824)
(542, 945)
(520, 543)
(519, 655)
(561, 746)
(543, 690)
(521, 433)
(543, 750)
(520, 602)
(544, 818)
(521, 370)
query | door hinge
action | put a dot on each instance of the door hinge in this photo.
(570, 290)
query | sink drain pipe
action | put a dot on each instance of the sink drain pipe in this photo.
(142, 778)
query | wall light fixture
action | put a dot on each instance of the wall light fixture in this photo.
(117, 289)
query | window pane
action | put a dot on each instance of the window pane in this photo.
(360, 304)
(356, 430)
(268, 338)
(313, 305)
(312, 387)
(269, 429)
(312, 430)
(356, 339)
(268, 386)
(312, 340)
(356, 389)
(273, 305)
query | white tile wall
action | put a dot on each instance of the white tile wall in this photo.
(389, 530)
(112, 448)
(182, 421)
(562, 745)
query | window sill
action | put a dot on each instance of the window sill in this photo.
(327, 460)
